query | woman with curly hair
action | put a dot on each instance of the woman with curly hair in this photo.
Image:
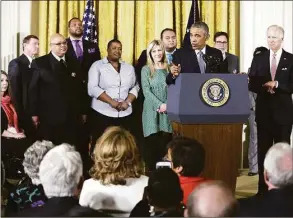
(117, 182)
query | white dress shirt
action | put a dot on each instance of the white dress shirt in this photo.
(203, 51)
(278, 57)
(58, 58)
(103, 77)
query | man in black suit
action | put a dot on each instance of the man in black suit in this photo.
(56, 94)
(221, 40)
(199, 57)
(20, 72)
(271, 77)
(278, 176)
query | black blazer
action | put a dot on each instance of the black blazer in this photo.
(56, 95)
(274, 203)
(277, 106)
(19, 74)
(187, 59)
(232, 62)
(55, 207)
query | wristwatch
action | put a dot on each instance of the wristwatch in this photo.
(129, 104)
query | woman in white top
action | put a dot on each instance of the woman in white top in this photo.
(113, 87)
(117, 183)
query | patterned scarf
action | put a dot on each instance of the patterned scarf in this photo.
(10, 112)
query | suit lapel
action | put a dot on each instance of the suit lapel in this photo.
(70, 48)
(282, 64)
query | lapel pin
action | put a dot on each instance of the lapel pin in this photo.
(73, 74)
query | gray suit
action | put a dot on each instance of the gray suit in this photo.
(233, 62)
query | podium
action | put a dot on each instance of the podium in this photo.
(212, 108)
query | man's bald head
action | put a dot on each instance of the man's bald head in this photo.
(211, 199)
(58, 44)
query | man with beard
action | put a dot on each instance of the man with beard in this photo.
(84, 53)
(56, 96)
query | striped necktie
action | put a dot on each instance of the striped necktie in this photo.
(201, 62)
(274, 66)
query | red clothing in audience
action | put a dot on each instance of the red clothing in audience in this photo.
(188, 184)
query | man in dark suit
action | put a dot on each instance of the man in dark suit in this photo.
(199, 57)
(271, 77)
(56, 94)
(278, 176)
(221, 40)
(20, 72)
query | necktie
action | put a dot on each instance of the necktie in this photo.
(274, 66)
(201, 62)
(78, 50)
(169, 58)
(63, 64)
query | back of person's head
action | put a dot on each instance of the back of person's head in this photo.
(259, 50)
(188, 155)
(33, 157)
(164, 189)
(116, 157)
(211, 199)
(60, 171)
(278, 165)
(79, 211)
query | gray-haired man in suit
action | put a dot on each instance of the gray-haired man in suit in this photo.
(221, 42)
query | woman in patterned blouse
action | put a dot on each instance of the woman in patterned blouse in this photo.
(156, 126)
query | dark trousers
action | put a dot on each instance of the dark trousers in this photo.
(155, 148)
(269, 133)
(99, 123)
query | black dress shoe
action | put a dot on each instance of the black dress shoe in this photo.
(252, 174)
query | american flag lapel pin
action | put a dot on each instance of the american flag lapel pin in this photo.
(73, 74)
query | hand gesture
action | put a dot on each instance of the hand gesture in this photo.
(123, 105)
(175, 70)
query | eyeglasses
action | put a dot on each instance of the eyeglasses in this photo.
(60, 43)
(220, 42)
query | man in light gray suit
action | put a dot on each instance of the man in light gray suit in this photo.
(221, 42)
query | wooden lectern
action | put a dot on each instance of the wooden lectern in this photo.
(212, 108)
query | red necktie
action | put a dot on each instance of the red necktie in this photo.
(274, 66)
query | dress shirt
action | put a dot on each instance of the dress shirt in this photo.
(170, 53)
(104, 78)
(74, 45)
(278, 57)
(203, 51)
(59, 58)
(30, 59)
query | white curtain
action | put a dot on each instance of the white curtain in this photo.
(16, 24)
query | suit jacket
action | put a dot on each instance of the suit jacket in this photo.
(19, 74)
(274, 203)
(232, 62)
(55, 207)
(187, 59)
(277, 107)
(56, 94)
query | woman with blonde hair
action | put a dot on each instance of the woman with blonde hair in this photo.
(117, 182)
(156, 126)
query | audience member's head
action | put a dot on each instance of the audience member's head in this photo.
(33, 157)
(114, 50)
(30, 45)
(199, 34)
(5, 89)
(221, 40)
(75, 27)
(116, 157)
(278, 166)
(58, 44)
(187, 156)
(211, 199)
(163, 190)
(168, 37)
(61, 171)
(275, 37)
(155, 54)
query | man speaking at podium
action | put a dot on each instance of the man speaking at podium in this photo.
(197, 58)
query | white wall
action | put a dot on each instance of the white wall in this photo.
(255, 18)
(15, 25)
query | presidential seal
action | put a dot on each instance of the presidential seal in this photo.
(215, 92)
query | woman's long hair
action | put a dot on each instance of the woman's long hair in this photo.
(8, 91)
(116, 157)
(150, 60)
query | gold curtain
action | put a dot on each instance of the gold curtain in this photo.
(136, 23)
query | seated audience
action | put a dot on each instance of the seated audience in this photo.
(278, 175)
(162, 197)
(188, 158)
(30, 193)
(211, 199)
(117, 182)
(60, 173)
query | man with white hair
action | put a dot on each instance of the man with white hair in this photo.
(271, 77)
(211, 199)
(278, 175)
(60, 173)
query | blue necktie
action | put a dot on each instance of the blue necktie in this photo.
(201, 62)
(169, 58)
